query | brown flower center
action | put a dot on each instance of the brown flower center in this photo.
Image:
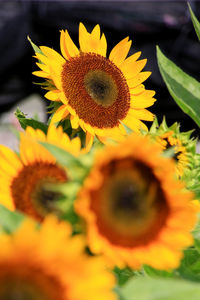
(130, 205)
(29, 189)
(96, 89)
(21, 283)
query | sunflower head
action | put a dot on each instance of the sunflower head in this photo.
(49, 264)
(183, 145)
(134, 208)
(25, 179)
(97, 92)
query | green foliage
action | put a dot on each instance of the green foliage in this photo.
(9, 221)
(195, 22)
(160, 289)
(35, 48)
(123, 275)
(77, 167)
(151, 272)
(190, 265)
(24, 122)
(183, 88)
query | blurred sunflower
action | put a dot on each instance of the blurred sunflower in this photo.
(167, 140)
(98, 92)
(49, 264)
(135, 210)
(184, 146)
(23, 178)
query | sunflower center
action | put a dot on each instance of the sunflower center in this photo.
(96, 89)
(101, 87)
(21, 283)
(131, 207)
(16, 290)
(30, 189)
(126, 198)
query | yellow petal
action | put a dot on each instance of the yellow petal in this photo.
(138, 79)
(88, 141)
(137, 90)
(63, 48)
(132, 69)
(142, 114)
(83, 38)
(60, 114)
(74, 121)
(53, 95)
(42, 58)
(68, 45)
(134, 124)
(102, 46)
(10, 156)
(131, 58)
(95, 34)
(143, 100)
(43, 67)
(40, 74)
(52, 54)
(120, 51)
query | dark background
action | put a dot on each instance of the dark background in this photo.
(147, 23)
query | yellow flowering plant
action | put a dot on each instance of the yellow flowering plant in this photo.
(95, 203)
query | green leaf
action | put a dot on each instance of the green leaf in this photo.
(144, 288)
(195, 22)
(190, 265)
(183, 88)
(24, 122)
(123, 275)
(157, 273)
(9, 221)
(35, 48)
(78, 168)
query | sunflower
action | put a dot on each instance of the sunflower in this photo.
(136, 212)
(24, 178)
(49, 264)
(183, 145)
(167, 140)
(97, 92)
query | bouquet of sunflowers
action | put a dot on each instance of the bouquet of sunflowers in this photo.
(95, 204)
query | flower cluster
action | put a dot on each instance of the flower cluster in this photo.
(94, 194)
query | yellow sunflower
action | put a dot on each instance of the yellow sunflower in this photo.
(98, 92)
(167, 140)
(49, 264)
(136, 212)
(24, 177)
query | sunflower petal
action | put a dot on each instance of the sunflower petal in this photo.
(120, 51)
(60, 114)
(130, 70)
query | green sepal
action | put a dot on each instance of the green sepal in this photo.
(35, 48)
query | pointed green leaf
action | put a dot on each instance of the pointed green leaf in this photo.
(24, 122)
(35, 48)
(195, 22)
(144, 288)
(183, 88)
